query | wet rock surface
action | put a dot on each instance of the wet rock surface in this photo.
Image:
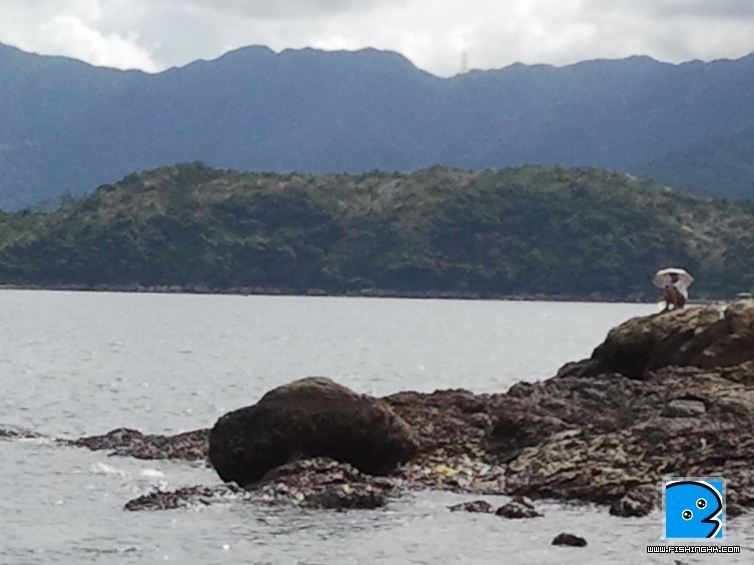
(519, 507)
(569, 540)
(479, 506)
(186, 497)
(310, 483)
(324, 483)
(605, 437)
(8, 433)
(637, 502)
(189, 446)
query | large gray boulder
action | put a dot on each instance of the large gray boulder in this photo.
(311, 417)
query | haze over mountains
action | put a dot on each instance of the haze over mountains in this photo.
(65, 125)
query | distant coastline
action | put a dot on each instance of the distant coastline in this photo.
(365, 293)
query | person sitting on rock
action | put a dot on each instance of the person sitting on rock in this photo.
(674, 283)
(675, 293)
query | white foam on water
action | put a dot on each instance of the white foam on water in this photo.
(103, 469)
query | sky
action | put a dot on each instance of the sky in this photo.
(443, 37)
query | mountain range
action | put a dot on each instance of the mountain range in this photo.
(68, 126)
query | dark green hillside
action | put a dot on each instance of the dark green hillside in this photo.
(530, 230)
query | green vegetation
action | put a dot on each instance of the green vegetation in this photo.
(579, 233)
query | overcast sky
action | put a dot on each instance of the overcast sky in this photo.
(153, 35)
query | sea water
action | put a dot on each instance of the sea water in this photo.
(76, 363)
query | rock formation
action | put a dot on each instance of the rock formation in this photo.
(569, 540)
(665, 395)
(678, 400)
(189, 446)
(709, 337)
(312, 417)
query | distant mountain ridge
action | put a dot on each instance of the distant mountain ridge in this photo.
(67, 125)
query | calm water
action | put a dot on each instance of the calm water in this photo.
(84, 363)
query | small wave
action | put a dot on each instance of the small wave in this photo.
(152, 473)
(108, 551)
(102, 469)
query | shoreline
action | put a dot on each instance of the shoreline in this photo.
(364, 293)
(664, 395)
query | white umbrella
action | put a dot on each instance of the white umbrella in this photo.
(663, 278)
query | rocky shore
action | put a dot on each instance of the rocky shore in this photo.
(665, 395)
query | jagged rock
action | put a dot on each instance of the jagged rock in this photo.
(120, 437)
(519, 507)
(190, 446)
(684, 408)
(185, 497)
(310, 483)
(473, 506)
(606, 450)
(569, 539)
(595, 436)
(309, 418)
(322, 482)
(709, 337)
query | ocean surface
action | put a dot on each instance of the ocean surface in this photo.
(76, 363)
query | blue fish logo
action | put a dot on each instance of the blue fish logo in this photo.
(694, 508)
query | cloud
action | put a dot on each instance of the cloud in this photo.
(279, 9)
(156, 34)
(70, 28)
(718, 9)
(71, 37)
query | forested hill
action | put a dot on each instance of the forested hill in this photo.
(577, 233)
(67, 125)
